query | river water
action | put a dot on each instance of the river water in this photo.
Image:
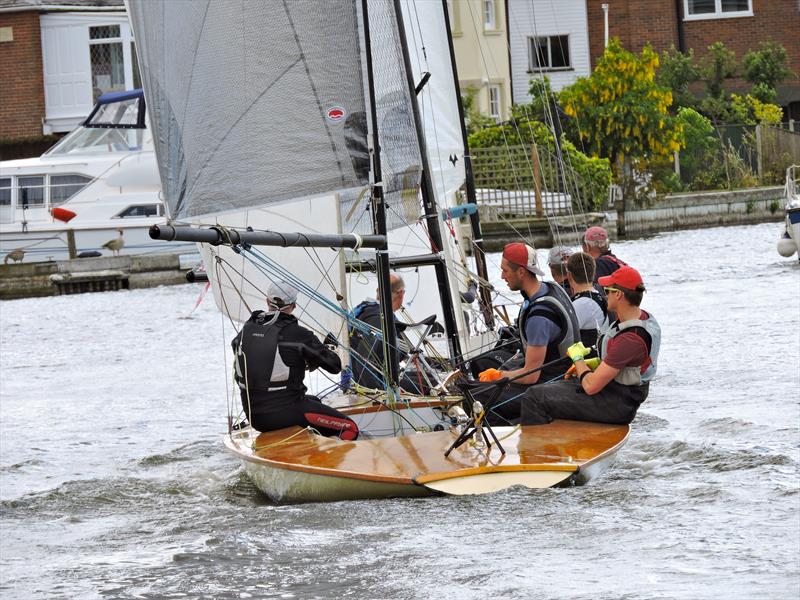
(114, 484)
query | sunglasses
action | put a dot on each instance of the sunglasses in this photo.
(611, 289)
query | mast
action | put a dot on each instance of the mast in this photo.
(429, 203)
(388, 330)
(474, 218)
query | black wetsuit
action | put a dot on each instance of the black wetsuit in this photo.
(271, 360)
(369, 353)
(606, 264)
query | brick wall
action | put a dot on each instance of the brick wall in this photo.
(21, 78)
(774, 20)
(637, 22)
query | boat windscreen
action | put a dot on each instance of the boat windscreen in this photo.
(84, 140)
(122, 113)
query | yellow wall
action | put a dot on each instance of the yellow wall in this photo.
(481, 51)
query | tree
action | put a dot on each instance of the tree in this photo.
(622, 111)
(717, 66)
(765, 69)
(474, 120)
(678, 72)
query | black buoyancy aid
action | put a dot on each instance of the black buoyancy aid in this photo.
(617, 261)
(650, 331)
(259, 366)
(556, 306)
(589, 336)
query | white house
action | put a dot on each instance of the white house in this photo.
(547, 38)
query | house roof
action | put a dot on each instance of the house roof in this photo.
(59, 5)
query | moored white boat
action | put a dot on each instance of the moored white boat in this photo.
(100, 178)
(789, 243)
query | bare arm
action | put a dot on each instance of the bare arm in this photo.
(534, 358)
(597, 380)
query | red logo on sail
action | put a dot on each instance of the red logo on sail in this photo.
(336, 114)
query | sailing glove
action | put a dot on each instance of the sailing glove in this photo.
(592, 363)
(490, 375)
(577, 351)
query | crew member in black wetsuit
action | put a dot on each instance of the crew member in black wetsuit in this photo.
(272, 353)
(368, 348)
(547, 327)
(597, 245)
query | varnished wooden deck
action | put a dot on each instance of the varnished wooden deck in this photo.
(419, 459)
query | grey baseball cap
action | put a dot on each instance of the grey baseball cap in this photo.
(281, 293)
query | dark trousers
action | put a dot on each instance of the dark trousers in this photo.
(615, 403)
(280, 411)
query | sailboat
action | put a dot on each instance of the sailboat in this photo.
(323, 148)
(789, 243)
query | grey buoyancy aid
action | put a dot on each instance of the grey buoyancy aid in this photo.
(259, 366)
(556, 306)
(650, 331)
(589, 336)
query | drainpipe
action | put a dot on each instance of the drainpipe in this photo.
(678, 10)
(605, 24)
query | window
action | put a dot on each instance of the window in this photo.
(5, 191)
(63, 187)
(141, 210)
(715, 9)
(548, 53)
(31, 191)
(112, 55)
(489, 21)
(494, 102)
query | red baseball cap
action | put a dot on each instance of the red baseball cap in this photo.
(624, 277)
(523, 255)
(595, 234)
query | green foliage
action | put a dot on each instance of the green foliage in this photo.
(474, 120)
(702, 143)
(678, 72)
(717, 66)
(510, 168)
(767, 66)
(623, 112)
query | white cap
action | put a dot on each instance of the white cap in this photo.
(281, 294)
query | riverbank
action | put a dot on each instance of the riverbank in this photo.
(61, 277)
(672, 213)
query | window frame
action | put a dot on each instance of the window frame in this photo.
(494, 87)
(540, 69)
(489, 10)
(718, 13)
(127, 43)
(159, 211)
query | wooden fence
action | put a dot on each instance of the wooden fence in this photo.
(521, 181)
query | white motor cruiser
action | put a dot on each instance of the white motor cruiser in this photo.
(790, 240)
(100, 181)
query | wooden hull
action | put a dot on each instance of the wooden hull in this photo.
(296, 465)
